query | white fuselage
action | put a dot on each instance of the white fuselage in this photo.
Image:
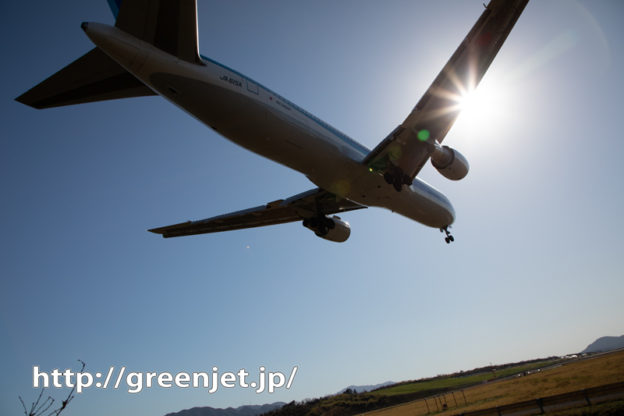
(262, 121)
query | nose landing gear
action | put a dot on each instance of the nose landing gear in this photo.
(448, 237)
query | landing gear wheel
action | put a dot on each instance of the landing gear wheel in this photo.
(322, 231)
(397, 185)
(449, 238)
(329, 224)
(388, 178)
(394, 176)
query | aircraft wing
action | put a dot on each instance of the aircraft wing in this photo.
(305, 205)
(406, 149)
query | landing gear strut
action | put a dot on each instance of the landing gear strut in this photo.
(448, 237)
(320, 225)
(397, 178)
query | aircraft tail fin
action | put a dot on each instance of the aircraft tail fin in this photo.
(114, 6)
(170, 25)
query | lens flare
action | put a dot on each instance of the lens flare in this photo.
(482, 108)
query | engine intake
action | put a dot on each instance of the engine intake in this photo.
(332, 229)
(449, 162)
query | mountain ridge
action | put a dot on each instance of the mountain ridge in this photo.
(604, 344)
(246, 410)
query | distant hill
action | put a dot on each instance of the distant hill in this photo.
(605, 344)
(364, 389)
(252, 410)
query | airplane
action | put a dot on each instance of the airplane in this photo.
(153, 50)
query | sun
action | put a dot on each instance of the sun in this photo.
(482, 108)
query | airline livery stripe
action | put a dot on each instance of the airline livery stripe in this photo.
(343, 137)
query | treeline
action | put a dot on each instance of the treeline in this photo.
(347, 404)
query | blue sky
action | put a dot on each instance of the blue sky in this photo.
(536, 269)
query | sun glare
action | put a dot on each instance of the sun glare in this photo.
(482, 109)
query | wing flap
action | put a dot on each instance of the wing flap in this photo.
(296, 208)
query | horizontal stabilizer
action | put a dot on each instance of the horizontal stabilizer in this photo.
(92, 77)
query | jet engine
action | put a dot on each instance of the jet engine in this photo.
(449, 162)
(332, 229)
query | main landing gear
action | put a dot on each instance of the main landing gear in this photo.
(396, 177)
(320, 225)
(448, 237)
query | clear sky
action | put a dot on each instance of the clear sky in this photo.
(536, 268)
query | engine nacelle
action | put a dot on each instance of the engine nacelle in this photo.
(449, 162)
(332, 229)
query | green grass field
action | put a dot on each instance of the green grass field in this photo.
(473, 390)
(571, 376)
(351, 404)
(455, 382)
